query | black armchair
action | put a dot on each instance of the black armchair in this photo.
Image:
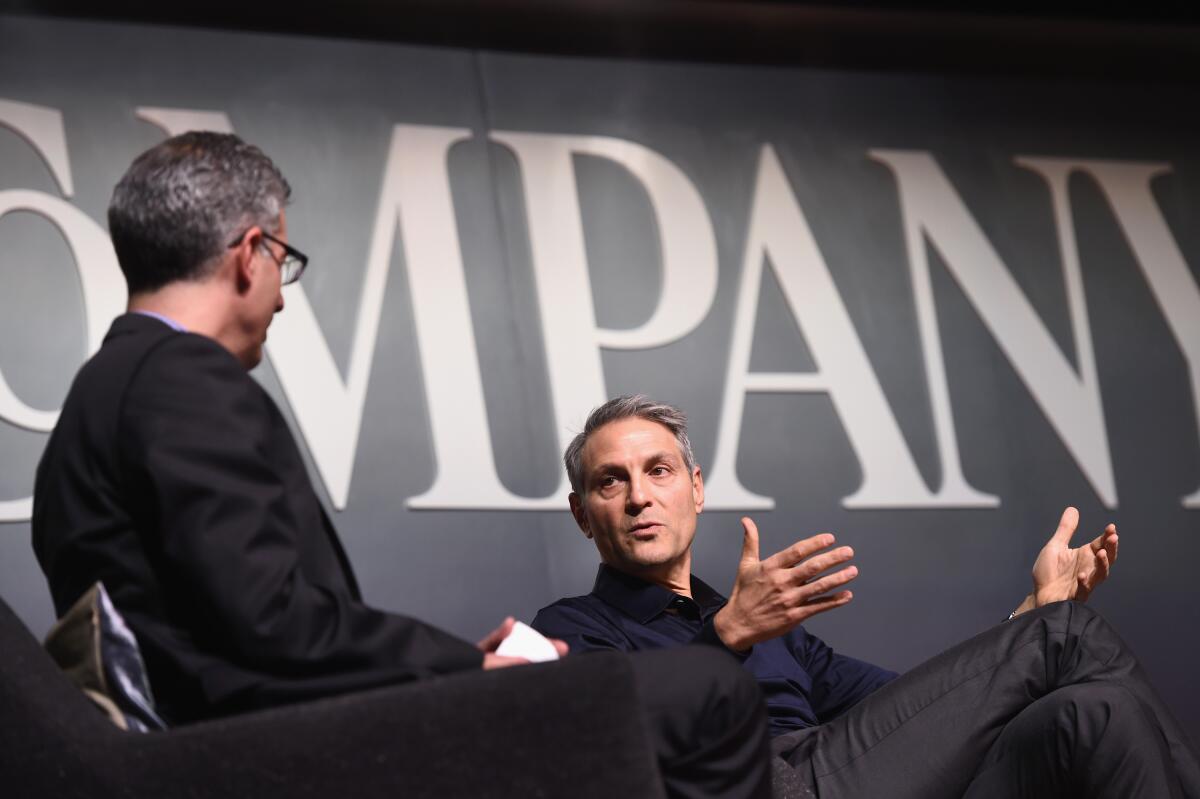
(570, 729)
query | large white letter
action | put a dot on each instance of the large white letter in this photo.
(778, 230)
(416, 195)
(1127, 187)
(930, 207)
(99, 275)
(416, 185)
(569, 330)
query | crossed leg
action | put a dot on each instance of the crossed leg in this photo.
(1094, 739)
(944, 727)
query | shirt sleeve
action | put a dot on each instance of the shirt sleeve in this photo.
(838, 682)
(708, 636)
(226, 531)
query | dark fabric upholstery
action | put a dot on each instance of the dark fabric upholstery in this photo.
(570, 729)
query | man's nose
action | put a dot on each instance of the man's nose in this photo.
(279, 302)
(638, 497)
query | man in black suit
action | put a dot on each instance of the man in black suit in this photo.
(173, 478)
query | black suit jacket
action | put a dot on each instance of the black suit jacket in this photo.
(173, 477)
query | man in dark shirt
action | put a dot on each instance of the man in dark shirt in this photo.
(1051, 702)
(803, 680)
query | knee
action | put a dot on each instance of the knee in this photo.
(1075, 618)
(1067, 612)
(1094, 706)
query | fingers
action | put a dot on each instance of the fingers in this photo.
(1109, 534)
(1088, 579)
(560, 646)
(1066, 526)
(825, 561)
(1110, 542)
(492, 640)
(823, 603)
(1106, 546)
(787, 558)
(827, 583)
(1097, 542)
(494, 661)
(749, 540)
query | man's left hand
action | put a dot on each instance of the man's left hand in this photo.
(1061, 573)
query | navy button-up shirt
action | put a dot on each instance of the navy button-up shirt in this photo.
(804, 682)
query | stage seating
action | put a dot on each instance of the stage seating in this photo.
(569, 729)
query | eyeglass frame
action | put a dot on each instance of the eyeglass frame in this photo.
(291, 266)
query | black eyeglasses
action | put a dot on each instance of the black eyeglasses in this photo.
(291, 267)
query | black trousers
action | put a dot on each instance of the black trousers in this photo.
(1051, 703)
(708, 723)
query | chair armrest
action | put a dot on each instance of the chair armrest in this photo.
(572, 728)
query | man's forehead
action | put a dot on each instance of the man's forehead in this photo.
(633, 437)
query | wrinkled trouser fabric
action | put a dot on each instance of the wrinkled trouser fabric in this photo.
(1051, 703)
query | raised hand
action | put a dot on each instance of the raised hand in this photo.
(772, 596)
(1063, 573)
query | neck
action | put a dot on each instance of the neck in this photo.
(683, 586)
(676, 577)
(195, 305)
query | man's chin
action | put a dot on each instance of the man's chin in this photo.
(650, 555)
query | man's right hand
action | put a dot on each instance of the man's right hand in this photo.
(772, 596)
(492, 640)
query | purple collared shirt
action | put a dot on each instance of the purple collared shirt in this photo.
(166, 320)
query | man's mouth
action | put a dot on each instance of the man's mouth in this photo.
(645, 530)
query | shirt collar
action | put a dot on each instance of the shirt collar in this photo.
(166, 320)
(642, 600)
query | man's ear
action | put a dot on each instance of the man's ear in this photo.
(698, 489)
(245, 266)
(579, 513)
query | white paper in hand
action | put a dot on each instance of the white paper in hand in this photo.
(526, 642)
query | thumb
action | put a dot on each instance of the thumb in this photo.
(1066, 527)
(749, 541)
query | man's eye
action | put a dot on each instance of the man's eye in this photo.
(659, 470)
(607, 481)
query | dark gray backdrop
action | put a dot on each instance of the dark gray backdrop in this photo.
(325, 110)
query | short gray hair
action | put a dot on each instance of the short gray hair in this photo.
(626, 407)
(182, 202)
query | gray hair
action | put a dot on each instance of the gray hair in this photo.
(625, 407)
(184, 201)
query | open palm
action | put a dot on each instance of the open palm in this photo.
(1061, 572)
